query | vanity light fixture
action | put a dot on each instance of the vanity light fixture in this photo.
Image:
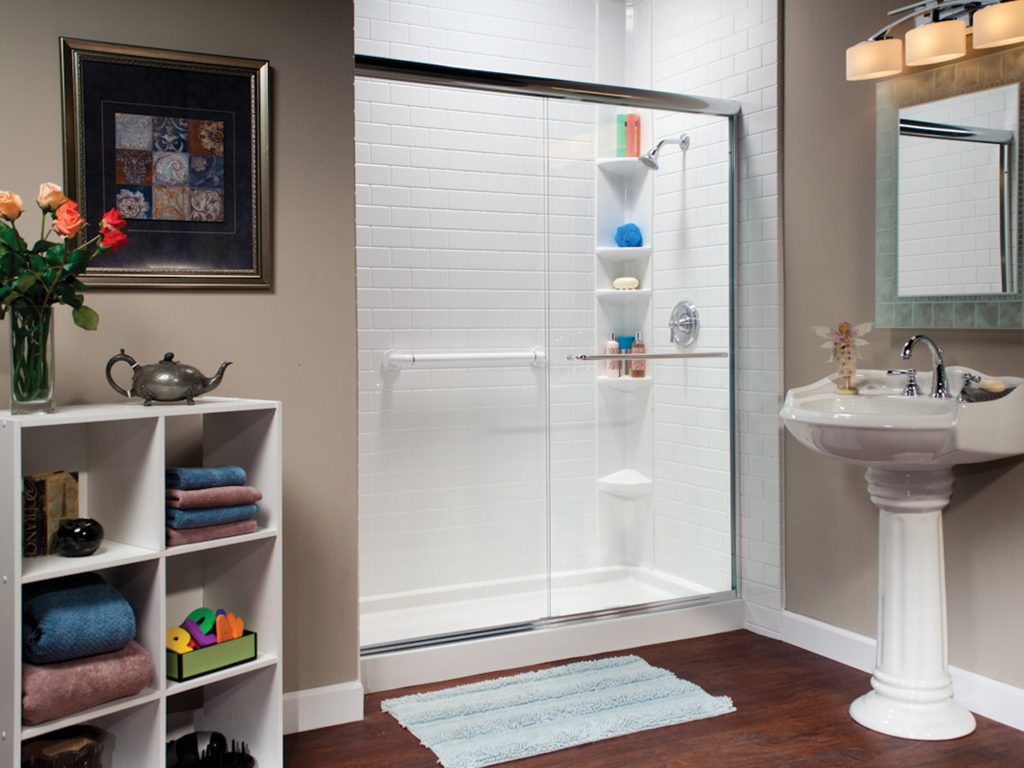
(939, 34)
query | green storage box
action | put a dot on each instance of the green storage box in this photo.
(203, 661)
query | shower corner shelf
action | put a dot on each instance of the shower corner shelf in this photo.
(622, 166)
(615, 253)
(612, 294)
(625, 383)
(626, 483)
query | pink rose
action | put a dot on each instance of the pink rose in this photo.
(10, 206)
(68, 220)
(51, 196)
(112, 220)
(113, 239)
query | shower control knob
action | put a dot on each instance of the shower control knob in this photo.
(684, 324)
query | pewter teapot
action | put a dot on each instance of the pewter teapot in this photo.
(165, 381)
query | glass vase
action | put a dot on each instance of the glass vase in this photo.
(32, 370)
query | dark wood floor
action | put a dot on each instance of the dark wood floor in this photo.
(791, 713)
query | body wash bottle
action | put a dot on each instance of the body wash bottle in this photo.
(613, 368)
(638, 368)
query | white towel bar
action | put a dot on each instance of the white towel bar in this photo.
(395, 360)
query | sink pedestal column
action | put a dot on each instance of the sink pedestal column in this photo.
(913, 693)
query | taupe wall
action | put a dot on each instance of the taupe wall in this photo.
(296, 344)
(831, 534)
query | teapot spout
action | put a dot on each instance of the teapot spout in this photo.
(212, 383)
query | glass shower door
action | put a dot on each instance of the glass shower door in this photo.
(452, 280)
(504, 481)
(641, 449)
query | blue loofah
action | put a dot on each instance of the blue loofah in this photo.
(629, 236)
(74, 617)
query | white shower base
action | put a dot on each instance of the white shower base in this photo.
(425, 613)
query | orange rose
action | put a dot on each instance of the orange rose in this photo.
(68, 220)
(10, 206)
(51, 197)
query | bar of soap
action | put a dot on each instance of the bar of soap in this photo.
(995, 386)
(625, 283)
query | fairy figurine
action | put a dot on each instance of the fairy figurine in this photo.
(843, 341)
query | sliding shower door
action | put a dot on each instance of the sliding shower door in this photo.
(641, 444)
(507, 478)
(452, 291)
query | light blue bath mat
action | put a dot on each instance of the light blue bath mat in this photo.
(509, 718)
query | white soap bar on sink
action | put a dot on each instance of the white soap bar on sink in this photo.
(625, 283)
(995, 386)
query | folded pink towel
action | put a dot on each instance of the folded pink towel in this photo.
(204, 498)
(49, 691)
(192, 535)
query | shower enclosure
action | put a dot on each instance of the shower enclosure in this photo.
(515, 473)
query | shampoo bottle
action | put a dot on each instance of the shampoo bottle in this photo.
(613, 368)
(632, 135)
(638, 368)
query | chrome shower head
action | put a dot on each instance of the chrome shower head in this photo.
(651, 158)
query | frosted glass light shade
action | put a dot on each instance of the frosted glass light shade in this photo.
(936, 41)
(874, 58)
(999, 24)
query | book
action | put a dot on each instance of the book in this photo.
(47, 499)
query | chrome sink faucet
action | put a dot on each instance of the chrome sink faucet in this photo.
(940, 385)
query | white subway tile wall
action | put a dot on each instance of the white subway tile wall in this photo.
(475, 223)
(949, 198)
(455, 190)
(727, 49)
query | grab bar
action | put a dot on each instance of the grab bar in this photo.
(395, 360)
(587, 357)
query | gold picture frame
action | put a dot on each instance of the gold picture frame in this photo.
(179, 144)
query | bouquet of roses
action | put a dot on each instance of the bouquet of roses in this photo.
(47, 272)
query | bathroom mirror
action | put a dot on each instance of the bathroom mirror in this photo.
(948, 196)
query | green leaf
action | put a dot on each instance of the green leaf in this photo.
(10, 238)
(24, 283)
(66, 295)
(55, 254)
(85, 317)
(37, 262)
(77, 261)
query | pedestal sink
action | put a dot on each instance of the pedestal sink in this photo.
(909, 446)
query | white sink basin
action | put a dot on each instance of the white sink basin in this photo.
(883, 428)
(909, 446)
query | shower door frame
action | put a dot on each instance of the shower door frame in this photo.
(592, 93)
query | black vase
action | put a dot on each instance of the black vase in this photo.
(79, 537)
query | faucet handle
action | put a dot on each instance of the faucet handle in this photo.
(911, 389)
(969, 378)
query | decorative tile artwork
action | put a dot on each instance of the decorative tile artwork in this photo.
(169, 168)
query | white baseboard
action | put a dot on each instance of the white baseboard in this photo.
(321, 707)
(473, 657)
(982, 695)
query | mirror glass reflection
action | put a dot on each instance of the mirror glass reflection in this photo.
(956, 194)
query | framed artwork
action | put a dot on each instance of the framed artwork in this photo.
(179, 144)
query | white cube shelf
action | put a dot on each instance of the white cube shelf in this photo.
(120, 452)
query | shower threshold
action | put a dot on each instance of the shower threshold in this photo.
(402, 616)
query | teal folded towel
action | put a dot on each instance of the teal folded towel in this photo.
(191, 478)
(200, 518)
(74, 617)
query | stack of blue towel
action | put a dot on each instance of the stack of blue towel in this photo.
(79, 648)
(226, 483)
